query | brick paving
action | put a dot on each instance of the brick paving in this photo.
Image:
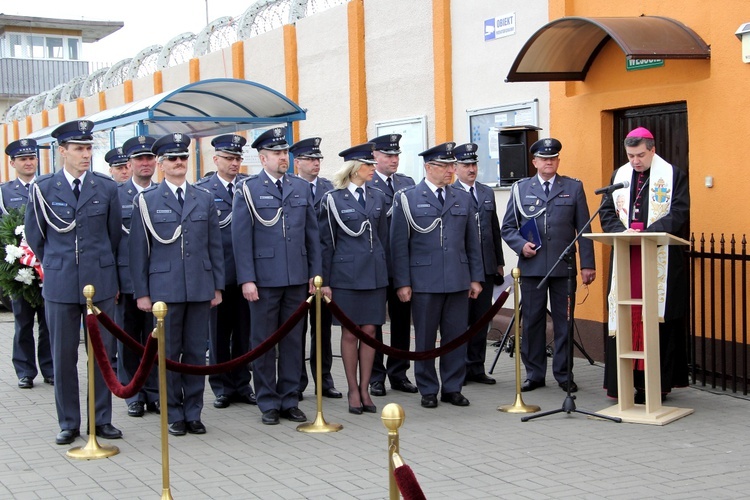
(456, 453)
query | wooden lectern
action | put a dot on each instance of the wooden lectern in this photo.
(652, 412)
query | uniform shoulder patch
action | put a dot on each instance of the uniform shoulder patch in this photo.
(103, 176)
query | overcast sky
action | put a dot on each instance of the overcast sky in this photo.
(147, 22)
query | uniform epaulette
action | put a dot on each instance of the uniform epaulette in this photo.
(44, 177)
(399, 174)
(407, 188)
(103, 176)
(202, 180)
(376, 189)
(571, 178)
(150, 188)
(200, 188)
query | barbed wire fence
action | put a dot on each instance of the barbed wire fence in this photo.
(260, 17)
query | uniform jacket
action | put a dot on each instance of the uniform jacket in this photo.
(491, 241)
(14, 194)
(286, 253)
(423, 261)
(97, 233)
(565, 216)
(324, 185)
(352, 263)
(399, 181)
(126, 191)
(224, 205)
(189, 269)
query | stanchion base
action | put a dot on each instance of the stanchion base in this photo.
(93, 450)
(319, 426)
(166, 494)
(637, 414)
(519, 407)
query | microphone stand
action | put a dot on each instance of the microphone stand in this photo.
(569, 405)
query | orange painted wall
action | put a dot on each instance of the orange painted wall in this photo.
(716, 92)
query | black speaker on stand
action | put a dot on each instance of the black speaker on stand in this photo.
(514, 158)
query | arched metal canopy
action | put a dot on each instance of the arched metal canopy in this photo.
(204, 108)
(565, 49)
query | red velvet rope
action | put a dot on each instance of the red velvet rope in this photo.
(407, 483)
(422, 355)
(102, 359)
(174, 366)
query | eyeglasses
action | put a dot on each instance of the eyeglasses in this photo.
(175, 158)
(230, 158)
(442, 165)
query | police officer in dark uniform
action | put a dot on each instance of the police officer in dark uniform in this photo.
(483, 198)
(277, 253)
(176, 257)
(136, 323)
(388, 180)
(73, 225)
(119, 168)
(15, 195)
(437, 264)
(229, 329)
(557, 205)
(307, 158)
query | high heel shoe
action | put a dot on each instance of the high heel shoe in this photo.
(369, 408)
(355, 410)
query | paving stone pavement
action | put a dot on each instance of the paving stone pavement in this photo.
(456, 453)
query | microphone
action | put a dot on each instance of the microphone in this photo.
(611, 189)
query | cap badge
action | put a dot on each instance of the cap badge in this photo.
(24, 142)
(83, 126)
(236, 139)
(277, 132)
(317, 141)
(177, 137)
(142, 139)
(548, 142)
(449, 147)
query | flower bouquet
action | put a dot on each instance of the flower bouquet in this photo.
(21, 274)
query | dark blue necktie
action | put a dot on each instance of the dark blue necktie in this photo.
(440, 196)
(360, 196)
(546, 188)
(77, 187)
(179, 197)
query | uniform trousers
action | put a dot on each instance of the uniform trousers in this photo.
(65, 322)
(399, 315)
(326, 361)
(534, 316)
(186, 334)
(139, 325)
(276, 385)
(230, 338)
(449, 312)
(476, 348)
(25, 354)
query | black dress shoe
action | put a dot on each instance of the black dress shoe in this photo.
(221, 401)
(26, 383)
(49, 380)
(530, 385)
(136, 409)
(369, 408)
(404, 386)
(67, 436)
(270, 417)
(481, 378)
(377, 389)
(355, 410)
(454, 398)
(196, 427)
(294, 414)
(177, 428)
(248, 399)
(153, 407)
(331, 392)
(429, 401)
(108, 431)
(568, 383)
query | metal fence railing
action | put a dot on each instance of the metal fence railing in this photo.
(719, 304)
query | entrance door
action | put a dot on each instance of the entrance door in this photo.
(668, 123)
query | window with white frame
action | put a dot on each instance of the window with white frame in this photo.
(39, 46)
(484, 127)
(413, 141)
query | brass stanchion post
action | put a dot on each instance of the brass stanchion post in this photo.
(93, 450)
(518, 406)
(319, 425)
(393, 418)
(160, 311)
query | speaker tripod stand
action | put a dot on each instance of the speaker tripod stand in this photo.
(506, 342)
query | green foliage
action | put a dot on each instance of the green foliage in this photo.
(9, 271)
